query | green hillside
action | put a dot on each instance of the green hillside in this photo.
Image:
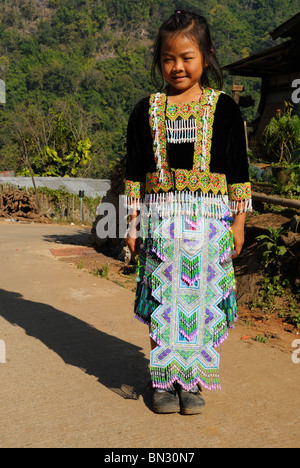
(75, 68)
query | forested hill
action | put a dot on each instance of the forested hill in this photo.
(90, 61)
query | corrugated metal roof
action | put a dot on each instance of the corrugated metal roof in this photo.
(92, 187)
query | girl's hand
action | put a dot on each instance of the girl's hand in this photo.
(239, 239)
(238, 231)
(133, 244)
(133, 240)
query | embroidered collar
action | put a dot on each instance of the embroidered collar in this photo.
(204, 124)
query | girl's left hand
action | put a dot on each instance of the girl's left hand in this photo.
(239, 239)
(238, 231)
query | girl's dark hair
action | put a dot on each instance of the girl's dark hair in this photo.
(196, 28)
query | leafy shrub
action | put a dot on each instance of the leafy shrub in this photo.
(282, 135)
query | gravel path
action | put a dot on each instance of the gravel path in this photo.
(76, 364)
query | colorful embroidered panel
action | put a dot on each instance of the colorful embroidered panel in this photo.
(204, 115)
(183, 111)
(191, 282)
(181, 179)
(181, 122)
(134, 189)
(238, 192)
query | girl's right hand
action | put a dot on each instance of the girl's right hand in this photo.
(133, 244)
(133, 240)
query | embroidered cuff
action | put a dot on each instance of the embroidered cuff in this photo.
(134, 193)
(239, 192)
(240, 197)
(134, 189)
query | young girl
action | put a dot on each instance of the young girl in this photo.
(188, 190)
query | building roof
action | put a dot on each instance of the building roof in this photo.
(280, 59)
(277, 60)
(92, 187)
(291, 28)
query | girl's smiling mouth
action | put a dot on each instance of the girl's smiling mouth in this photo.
(179, 78)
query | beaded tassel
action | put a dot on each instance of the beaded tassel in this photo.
(181, 131)
(188, 325)
(157, 248)
(228, 283)
(220, 333)
(241, 206)
(229, 307)
(226, 247)
(194, 205)
(138, 271)
(190, 272)
(187, 378)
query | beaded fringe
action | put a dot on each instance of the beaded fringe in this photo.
(190, 270)
(188, 326)
(229, 307)
(185, 203)
(243, 206)
(186, 378)
(181, 131)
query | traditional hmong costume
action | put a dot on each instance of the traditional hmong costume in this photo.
(187, 172)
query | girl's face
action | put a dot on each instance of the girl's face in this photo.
(182, 63)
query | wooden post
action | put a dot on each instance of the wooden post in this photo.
(246, 135)
(236, 91)
(34, 186)
(271, 200)
(73, 207)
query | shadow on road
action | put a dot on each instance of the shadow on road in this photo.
(120, 366)
(81, 237)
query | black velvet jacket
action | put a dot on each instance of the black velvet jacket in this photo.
(228, 150)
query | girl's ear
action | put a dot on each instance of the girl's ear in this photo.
(211, 52)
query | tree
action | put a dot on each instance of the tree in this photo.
(98, 54)
(51, 144)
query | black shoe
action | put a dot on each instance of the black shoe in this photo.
(191, 402)
(164, 402)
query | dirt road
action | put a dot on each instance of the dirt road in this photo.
(76, 364)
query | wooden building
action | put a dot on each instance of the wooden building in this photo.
(279, 69)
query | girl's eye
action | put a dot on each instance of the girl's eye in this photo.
(188, 58)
